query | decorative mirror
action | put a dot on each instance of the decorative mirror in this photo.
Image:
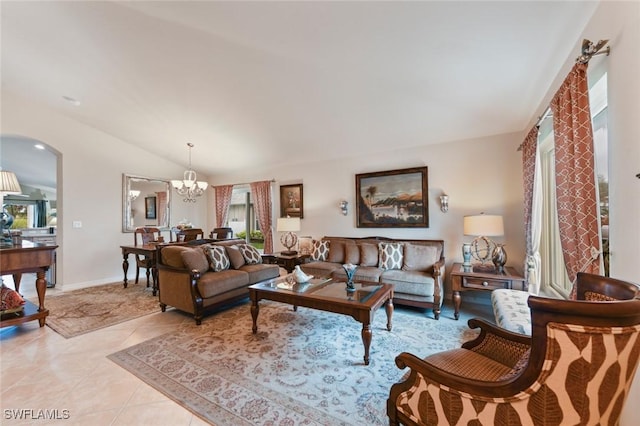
(145, 202)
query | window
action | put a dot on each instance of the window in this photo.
(240, 213)
(554, 275)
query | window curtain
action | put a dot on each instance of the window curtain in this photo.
(223, 201)
(40, 214)
(162, 208)
(532, 209)
(575, 175)
(261, 192)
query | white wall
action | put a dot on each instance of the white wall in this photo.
(90, 190)
(479, 175)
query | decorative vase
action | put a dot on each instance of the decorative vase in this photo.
(466, 254)
(499, 257)
(350, 270)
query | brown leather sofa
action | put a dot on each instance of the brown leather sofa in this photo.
(418, 282)
(187, 282)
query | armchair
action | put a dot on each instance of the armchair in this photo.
(576, 368)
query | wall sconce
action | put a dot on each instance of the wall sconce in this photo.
(344, 207)
(444, 203)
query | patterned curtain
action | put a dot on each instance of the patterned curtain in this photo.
(261, 192)
(162, 209)
(532, 209)
(223, 201)
(575, 175)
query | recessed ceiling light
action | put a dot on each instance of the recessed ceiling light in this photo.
(39, 146)
(71, 100)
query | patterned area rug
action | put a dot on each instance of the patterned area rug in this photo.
(81, 311)
(301, 368)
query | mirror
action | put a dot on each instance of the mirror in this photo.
(145, 202)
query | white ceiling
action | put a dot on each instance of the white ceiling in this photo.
(251, 83)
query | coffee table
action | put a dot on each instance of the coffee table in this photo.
(326, 294)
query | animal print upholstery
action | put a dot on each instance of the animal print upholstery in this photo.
(585, 379)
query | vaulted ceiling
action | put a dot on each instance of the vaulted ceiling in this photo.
(250, 83)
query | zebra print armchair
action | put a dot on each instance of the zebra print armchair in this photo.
(575, 368)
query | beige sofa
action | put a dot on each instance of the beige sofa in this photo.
(187, 281)
(417, 278)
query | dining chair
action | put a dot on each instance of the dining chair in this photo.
(143, 236)
(221, 233)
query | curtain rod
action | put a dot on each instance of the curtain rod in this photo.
(589, 50)
(245, 183)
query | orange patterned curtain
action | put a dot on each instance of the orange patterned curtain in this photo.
(223, 201)
(261, 192)
(575, 175)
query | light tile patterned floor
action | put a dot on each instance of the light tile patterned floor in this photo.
(41, 370)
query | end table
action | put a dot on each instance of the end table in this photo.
(288, 262)
(465, 278)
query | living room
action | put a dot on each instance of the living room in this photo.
(480, 173)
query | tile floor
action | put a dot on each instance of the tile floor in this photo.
(41, 370)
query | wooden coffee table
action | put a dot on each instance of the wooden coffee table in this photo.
(329, 296)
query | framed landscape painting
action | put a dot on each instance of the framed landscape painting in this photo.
(291, 202)
(393, 199)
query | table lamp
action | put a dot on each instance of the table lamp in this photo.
(8, 185)
(288, 225)
(482, 248)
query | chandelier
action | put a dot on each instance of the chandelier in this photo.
(189, 187)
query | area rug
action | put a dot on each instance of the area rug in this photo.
(82, 311)
(301, 368)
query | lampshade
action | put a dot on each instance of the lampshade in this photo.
(288, 224)
(484, 225)
(9, 183)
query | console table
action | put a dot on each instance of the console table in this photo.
(287, 261)
(465, 278)
(27, 257)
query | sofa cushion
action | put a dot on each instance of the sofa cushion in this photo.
(390, 255)
(368, 254)
(351, 253)
(250, 254)
(261, 272)
(336, 251)
(320, 269)
(235, 257)
(172, 256)
(418, 257)
(195, 258)
(215, 283)
(363, 273)
(409, 282)
(218, 259)
(320, 251)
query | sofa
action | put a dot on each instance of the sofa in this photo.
(205, 274)
(414, 267)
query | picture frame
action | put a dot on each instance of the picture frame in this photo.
(291, 201)
(150, 207)
(393, 199)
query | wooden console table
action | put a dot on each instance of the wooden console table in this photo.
(288, 262)
(27, 257)
(463, 279)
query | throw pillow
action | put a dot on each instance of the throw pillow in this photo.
(218, 259)
(368, 255)
(390, 255)
(10, 300)
(195, 259)
(351, 253)
(250, 253)
(236, 258)
(419, 257)
(320, 251)
(336, 251)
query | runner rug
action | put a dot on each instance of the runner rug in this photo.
(301, 368)
(82, 311)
